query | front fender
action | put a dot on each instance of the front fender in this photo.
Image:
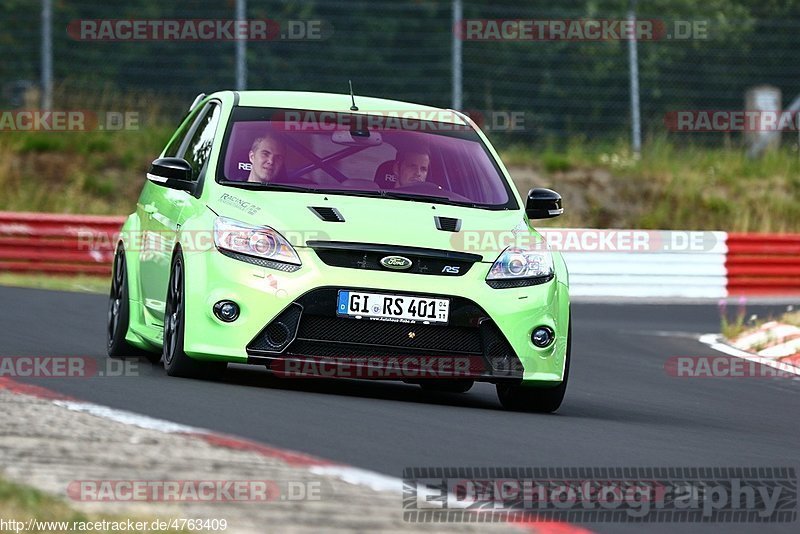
(132, 238)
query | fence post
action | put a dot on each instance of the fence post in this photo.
(762, 98)
(633, 62)
(47, 55)
(456, 55)
(241, 48)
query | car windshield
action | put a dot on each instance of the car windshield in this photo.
(364, 155)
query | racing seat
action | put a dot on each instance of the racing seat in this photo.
(238, 164)
(384, 175)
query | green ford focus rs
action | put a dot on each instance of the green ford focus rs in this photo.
(326, 235)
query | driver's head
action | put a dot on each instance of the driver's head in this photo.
(411, 167)
(266, 158)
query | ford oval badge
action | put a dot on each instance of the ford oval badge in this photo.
(398, 263)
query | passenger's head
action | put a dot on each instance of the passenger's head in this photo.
(411, 166)
(266, 157)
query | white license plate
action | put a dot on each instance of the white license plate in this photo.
(401, 308)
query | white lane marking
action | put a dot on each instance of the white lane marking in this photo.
(350, 475)
(662, 333)
(713, 341)
(360, 477)
(380, 482)
(128, 418)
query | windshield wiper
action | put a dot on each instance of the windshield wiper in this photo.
(351, 192)
(428, 198)
(258, 186)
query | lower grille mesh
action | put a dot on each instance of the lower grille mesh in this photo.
(384, 333)
(310, 328)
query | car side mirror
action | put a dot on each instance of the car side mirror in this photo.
(175, 173)
(543, 204)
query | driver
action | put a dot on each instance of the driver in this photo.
(266, 158)
(411, 167)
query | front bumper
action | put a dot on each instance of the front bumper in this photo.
(488, 326)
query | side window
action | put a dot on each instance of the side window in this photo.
(172, 149)
(199, 146)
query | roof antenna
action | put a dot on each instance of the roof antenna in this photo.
(353, 98)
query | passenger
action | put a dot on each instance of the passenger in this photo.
(266, 158)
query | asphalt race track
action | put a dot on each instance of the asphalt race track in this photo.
(621, 409)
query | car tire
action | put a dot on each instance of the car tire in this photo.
(119, 310)
(536, 399)
(448, 386)
(176, 362)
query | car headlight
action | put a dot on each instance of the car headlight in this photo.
(517, 267)
(255, 243)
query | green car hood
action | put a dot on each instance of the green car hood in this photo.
(368, 220)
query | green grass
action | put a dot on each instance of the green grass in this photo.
(669, 187)
(78, 284)
(603, 185)
(740, 323)
(22, 503)
(91, 172)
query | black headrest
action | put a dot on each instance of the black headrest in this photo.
(384, 175)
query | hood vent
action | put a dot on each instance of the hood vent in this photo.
(447, 224)
(327, 214)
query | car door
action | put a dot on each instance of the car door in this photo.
(160, 208)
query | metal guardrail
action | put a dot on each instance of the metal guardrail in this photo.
(52, 244)
(637, 274)
(741, 264)
(763, 264)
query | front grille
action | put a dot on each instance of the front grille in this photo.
(403, 364)
(368, 256)
(457, 339)
(354, 351)
(320, 333)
